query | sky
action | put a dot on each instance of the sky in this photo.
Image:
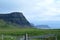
(38, 12)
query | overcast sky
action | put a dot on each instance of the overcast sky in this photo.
(36, 11)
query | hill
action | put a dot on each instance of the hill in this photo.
(15, 18)
(43, 26)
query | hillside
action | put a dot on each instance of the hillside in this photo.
(15, 18)
(5, 25)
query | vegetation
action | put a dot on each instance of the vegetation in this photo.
(9, 29)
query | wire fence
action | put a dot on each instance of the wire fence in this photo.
(26, 37)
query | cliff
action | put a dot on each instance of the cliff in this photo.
(15, 17)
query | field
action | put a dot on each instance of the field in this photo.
(30, 31)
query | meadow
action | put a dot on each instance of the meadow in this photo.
(30, 31)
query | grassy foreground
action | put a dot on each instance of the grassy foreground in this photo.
(30, 31)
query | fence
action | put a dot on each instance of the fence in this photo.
(42, 37)
(7, 37)
(26, 37)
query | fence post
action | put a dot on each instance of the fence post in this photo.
(23, 38)
(2, 37)
(56, 37)
(26, 36)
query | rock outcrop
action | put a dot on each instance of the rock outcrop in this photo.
(15, 17)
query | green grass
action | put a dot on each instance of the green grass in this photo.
(30, 31)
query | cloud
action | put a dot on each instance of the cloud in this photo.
(46, 10)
